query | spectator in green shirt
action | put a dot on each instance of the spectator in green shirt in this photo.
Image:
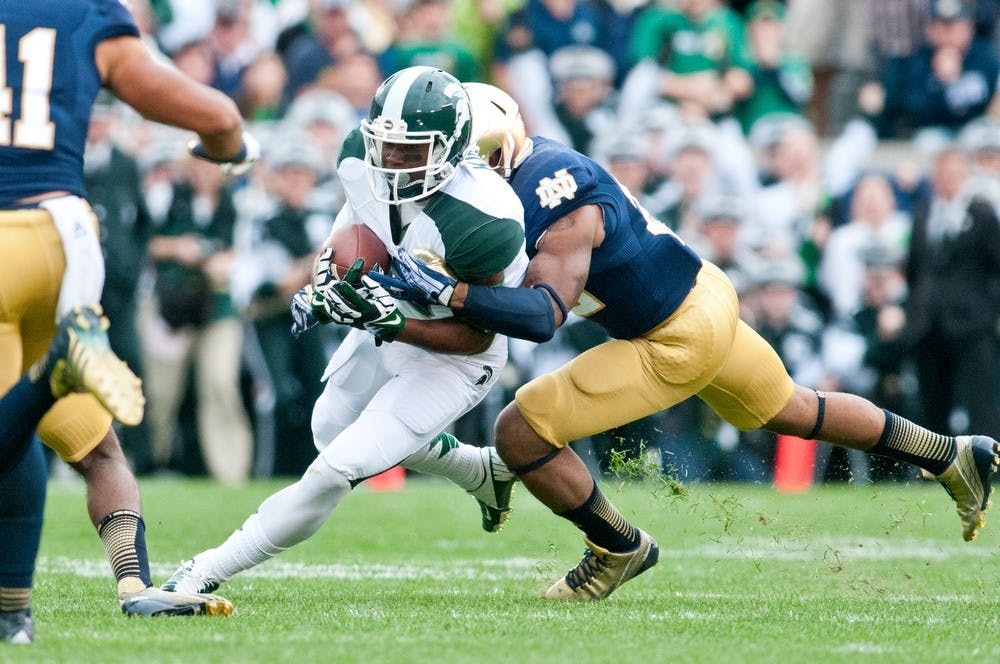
(782, 82)
(425, 37)
(699, 51)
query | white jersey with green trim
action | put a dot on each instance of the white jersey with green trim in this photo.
(474, 223)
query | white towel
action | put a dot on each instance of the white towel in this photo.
(83, 279)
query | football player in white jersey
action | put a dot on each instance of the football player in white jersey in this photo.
(403, 374)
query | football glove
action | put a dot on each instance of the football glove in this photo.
(420, 283)
(303, 316)
(239, 164)
(324, 276)
(364, 305)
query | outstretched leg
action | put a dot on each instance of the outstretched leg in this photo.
(964, 465)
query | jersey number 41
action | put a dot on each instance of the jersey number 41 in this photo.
(33, 130)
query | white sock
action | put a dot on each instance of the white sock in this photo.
(245, 548)
(448, 457)
(286, 518)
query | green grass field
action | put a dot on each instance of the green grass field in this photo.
(877, 573)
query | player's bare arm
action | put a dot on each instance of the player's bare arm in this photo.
(164, 94)
(563, 258)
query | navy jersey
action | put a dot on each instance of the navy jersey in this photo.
(640, 273)
(47, 86)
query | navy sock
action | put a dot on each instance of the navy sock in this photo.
(20, 410)
(22, 503)
(603, 523)
(124, 536)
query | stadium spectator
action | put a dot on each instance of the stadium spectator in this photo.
(719, 239)
(583, 105)
(196, 323)
(952, 79)
(695, 56)
(953, 274)
(478, 24)
(834, 37)
(782, 81)
(319, 42)
(355, 77)
(323, 118)
(532, 34)
(425, 36)
(624, 155)
(693, 178)
(874, 220)
(981, 139)
(261, 94)
(233, 48)
(897, 32)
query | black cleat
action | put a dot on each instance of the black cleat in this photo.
(17, 627)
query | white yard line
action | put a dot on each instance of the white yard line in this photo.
(841, 550)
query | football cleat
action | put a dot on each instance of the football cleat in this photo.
(79, 359)
(493, 495)
(968, 480)
(17, 627)
(156, 602)
(601, 572)
(189, 579)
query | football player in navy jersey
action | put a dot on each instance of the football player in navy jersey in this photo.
(676, 333)
(54, 57)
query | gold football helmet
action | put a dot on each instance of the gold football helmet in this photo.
(497, 127)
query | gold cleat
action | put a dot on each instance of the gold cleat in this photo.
(968, 480)
(80, 359)
(155, 602)
(601, 572)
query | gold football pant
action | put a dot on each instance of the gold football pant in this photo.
(31, 270)
(702, 349)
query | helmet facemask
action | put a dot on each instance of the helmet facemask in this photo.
(416, 134)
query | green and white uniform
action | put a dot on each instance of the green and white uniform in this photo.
(407, 395)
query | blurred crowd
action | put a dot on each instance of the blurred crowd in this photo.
(839, 159)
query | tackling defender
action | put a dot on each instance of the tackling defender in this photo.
(676, 333)
(54, 56)
(396, 381)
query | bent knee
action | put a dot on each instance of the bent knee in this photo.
(516, 442)
(109, 450)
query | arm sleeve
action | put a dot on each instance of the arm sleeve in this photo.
(524, 313)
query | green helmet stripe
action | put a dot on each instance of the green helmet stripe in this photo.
(396, 98)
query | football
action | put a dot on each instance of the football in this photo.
(353, 242)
